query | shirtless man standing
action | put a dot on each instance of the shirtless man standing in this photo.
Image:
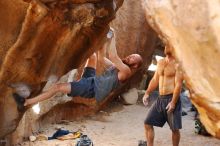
(167, 108)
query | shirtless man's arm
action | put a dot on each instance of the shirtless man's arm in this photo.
(176, 93)
(152, 86)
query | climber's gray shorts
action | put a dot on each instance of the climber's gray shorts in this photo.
(85, 86)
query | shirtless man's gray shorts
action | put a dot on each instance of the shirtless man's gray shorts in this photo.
(158, 116)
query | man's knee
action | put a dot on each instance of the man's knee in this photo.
(176, 131)
(62, 87)
(93, 56)
(148, 127)
(92, 59)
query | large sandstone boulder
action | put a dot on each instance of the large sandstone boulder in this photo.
(131, 38)
(44, 38)
(192, 28)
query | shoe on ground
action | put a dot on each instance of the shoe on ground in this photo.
(142, 143)
(84, 141)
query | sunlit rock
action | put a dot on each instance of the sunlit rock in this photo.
(135, 37)
(43, 38)
(192, 27)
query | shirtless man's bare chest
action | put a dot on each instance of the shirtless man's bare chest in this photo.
(166, 72)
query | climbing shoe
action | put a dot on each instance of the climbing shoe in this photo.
(84, 141)
(19, 101)
(200, 128)
(142, 143)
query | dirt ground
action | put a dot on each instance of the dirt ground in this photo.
(123, 126)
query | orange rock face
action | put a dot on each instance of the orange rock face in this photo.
(44, 38)
(136, 37)
(192, 28)
(41, 39)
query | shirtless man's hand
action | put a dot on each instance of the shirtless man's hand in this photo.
(146, 99)
(170, 107)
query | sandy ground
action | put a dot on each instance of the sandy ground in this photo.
(123, 126)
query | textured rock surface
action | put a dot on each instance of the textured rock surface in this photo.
(192, 27)
(131, 96)
(133, 33)
(44, 38)
(131, 38)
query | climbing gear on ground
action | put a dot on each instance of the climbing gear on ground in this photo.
(73, 135)
(200, 128)
(59, 133)
(84, 141)
(142, 143)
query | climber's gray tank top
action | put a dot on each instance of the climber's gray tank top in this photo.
(105, 83)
